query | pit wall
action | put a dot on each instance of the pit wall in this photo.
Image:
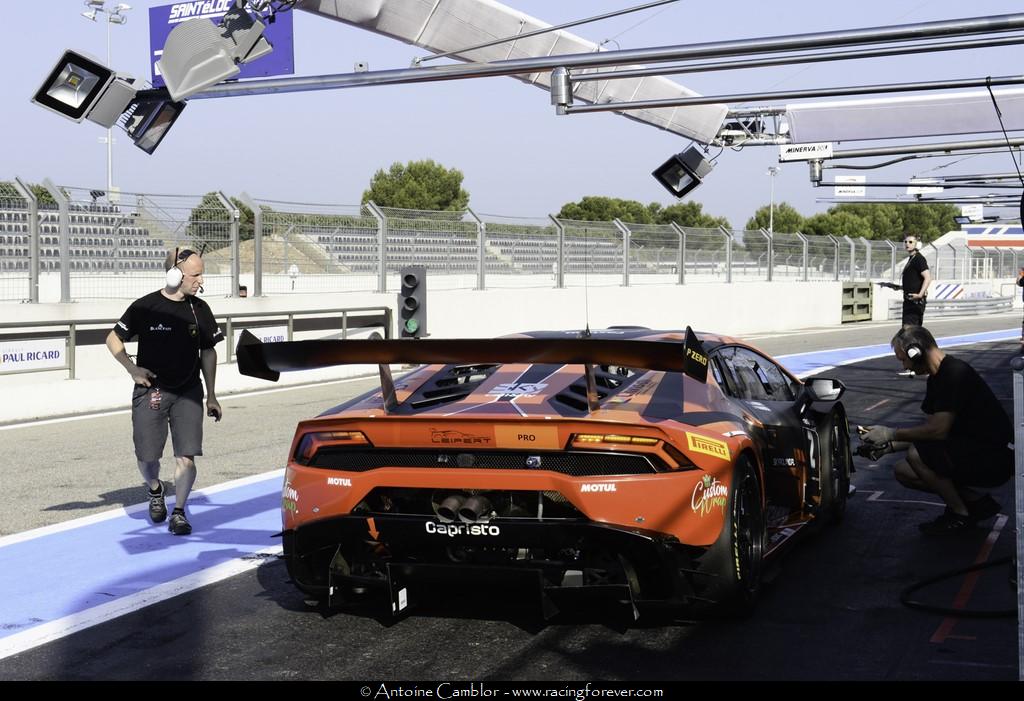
(735, 309)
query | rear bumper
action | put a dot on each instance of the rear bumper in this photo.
(555, 559)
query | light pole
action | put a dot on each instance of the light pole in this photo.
(115, 15)
(772, 172)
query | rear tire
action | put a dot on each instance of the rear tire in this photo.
(732, 566)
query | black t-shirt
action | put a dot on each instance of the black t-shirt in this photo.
(170, 334)
(913, 274)
(978, 415)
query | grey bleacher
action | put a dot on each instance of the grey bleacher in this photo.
(357, 251)
(100, 237)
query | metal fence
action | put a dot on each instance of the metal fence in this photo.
(52, 250)
(517, 251)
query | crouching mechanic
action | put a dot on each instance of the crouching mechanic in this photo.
(964, 442)
(177, 334)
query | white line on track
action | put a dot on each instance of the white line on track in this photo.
(875, 497)
(877, 404)
(62, 627)
(135, 508)
(858, 327)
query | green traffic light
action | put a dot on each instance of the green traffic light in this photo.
(412, 326)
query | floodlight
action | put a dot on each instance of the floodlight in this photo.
(684, 171)
(90, 15)
(150, 116)
(199, 54)
(79, 88)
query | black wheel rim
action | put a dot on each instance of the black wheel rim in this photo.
(840, 467)
(749, 540)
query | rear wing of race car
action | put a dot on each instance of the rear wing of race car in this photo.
(269, 360)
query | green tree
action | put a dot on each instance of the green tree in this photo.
(209, 224)
(690, 214)
(837, 223)
(8, 191)
(596, 208)
(884, 220)
(418, 185)
(43, 195)
(786, 220)
(928, 220)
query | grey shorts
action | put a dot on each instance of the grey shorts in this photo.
(182, 412)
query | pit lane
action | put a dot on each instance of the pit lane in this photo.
(832, 611)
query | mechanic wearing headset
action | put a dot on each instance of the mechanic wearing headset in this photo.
(1020, 283)
(965, 441)
(177, 334)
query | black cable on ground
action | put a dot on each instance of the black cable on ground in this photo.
(947, 611)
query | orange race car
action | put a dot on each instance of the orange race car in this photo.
(648, 466)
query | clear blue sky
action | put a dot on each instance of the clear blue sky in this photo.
(518, 157)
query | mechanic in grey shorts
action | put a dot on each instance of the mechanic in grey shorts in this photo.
(177, 335)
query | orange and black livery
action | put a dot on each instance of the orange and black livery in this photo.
(644, 466)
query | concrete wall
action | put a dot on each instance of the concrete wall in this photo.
(727, 308)
(737, 308)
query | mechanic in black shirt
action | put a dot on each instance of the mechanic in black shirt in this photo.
(916, 279)
(177, 334)
(966, 440)
(1020, 283)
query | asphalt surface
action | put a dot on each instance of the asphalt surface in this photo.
(831, 612)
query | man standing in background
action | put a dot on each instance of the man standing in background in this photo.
(916, 279)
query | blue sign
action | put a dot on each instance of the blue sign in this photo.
(280, 61)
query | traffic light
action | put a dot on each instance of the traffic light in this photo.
(412, 302)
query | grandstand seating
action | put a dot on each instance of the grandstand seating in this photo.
(356, 250)
(100, 237)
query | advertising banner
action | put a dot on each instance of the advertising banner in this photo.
(34, 354)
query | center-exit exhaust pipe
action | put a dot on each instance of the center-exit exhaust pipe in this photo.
(448, 509)
(476, 508)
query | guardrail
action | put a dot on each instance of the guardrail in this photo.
(74, 335)
(956, 307)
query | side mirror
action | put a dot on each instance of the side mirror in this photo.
(824, 389)
(820, 389)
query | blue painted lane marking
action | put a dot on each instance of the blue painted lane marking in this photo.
(62, 573)
(66, 571)
(803, 364)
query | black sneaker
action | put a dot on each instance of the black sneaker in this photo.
(947, 524)
(157, 508)
(179, 525)
(984, 508)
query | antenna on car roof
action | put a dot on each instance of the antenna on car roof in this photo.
(586, 284)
